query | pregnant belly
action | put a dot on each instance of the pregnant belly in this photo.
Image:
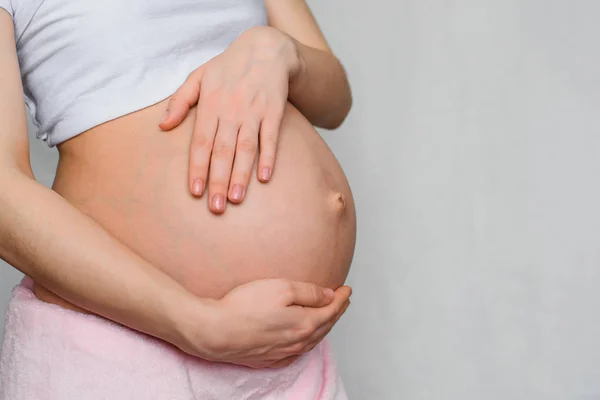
(131, 178)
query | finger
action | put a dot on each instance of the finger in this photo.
(201, 147)
(250, 364)
(309, 295)
(269, 137)
(324, 329)
(325, 314)
(316, 336)
(284, 363)
(221, 164)
(256, 365)
(182, 100)
(245, 154)
(314, 343)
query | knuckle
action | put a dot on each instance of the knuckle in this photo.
(297, 348)
(210, 100)
(200, 143)
(223, 150)
(235, 103)
(315, 292)
(310, 347)
(307, 330)
(229, 114)
(251, 125)
(288, 286)
(176, 101)
(198, 167)
(241, 94)
(259, 101)
(289, 336)
(283, 284)
(247, 146)
(287, 290)
(269, 139)
(277, 112)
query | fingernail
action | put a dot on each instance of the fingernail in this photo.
(329, 293)
(265, 173)
(218, 202)
(197, 187)
(237, 192)
(164, 118)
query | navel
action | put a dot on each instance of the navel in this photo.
(338, 202)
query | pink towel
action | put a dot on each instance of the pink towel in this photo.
(50, 353)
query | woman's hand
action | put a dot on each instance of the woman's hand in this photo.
(241, 95)
(266, 323)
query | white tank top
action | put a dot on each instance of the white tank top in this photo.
(85, 62)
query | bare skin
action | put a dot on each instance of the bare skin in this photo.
(301, 226)
(147, 257)
(241, 95)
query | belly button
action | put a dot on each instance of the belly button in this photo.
(339, 202)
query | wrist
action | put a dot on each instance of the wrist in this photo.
(192, 325)
(273, 42)
(298, 78)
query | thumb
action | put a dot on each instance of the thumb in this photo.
(182, 100)
(310, 295)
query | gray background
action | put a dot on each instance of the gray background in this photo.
(473, 151)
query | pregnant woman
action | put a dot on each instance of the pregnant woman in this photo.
(197, 223)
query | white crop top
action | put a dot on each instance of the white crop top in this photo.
(85, 62)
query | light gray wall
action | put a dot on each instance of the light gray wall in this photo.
(474, 153)
(473, 150)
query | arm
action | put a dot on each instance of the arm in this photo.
(46, 238)
(320, 90)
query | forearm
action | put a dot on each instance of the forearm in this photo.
(46, 238)
(320, 90)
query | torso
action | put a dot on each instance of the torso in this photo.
(131, 178)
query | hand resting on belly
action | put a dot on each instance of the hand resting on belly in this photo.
(132, 179)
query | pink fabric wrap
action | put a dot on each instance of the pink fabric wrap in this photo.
(50, 353)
